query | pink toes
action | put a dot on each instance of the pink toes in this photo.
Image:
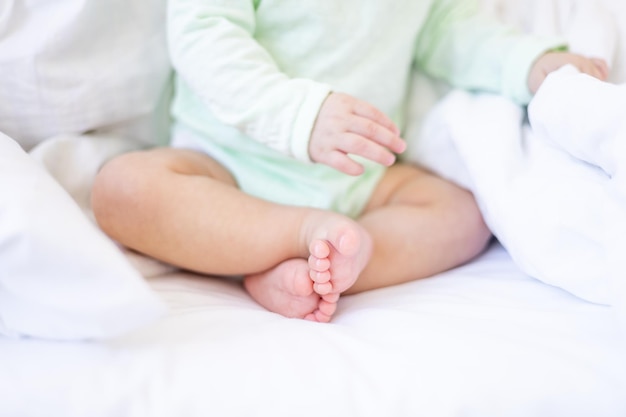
(321, 282)
(347, 242)
(324, 312)
(320, 250)
(323, 289)
(319, 264)
(335, 264)
(288, 290)
(310, 288)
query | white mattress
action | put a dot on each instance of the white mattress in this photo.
(478, 341)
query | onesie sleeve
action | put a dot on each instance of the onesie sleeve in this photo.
(216, 57)
(471, 50)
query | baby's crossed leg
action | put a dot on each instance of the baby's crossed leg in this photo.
(198, 219)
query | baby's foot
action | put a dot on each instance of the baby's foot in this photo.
(287, 289)
(339, 252)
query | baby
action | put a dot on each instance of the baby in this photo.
(287, 123)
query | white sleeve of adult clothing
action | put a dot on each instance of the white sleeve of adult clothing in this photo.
(214, 52)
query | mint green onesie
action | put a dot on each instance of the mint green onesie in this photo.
(252, 75)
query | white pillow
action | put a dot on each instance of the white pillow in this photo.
(73, 66)
(60, 277)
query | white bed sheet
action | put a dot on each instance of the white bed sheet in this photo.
(478, 341)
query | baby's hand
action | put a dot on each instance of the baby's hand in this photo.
(552, 61)
(346, 125)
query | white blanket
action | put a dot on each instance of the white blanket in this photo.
(551, 191)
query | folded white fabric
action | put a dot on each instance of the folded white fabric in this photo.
(583, 116)
(558, 216)
(74, 160)
(60, 277)
(74, 66)
(554, 195)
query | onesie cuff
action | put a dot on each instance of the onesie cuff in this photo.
(307, 115)
(519, 62)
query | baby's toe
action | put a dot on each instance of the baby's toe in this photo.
(319, 264)
(323, 289)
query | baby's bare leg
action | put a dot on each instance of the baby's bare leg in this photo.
(184, 208)
(420, 225)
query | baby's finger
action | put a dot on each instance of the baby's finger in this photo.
(377, 133)
(366, 110)
(589, 67)
(602, 66)
(343, 163)
(354, 144)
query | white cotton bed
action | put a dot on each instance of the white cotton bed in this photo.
(482, 340)
(503, 336)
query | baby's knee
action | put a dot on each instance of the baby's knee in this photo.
(474, 233)
(117, 186)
